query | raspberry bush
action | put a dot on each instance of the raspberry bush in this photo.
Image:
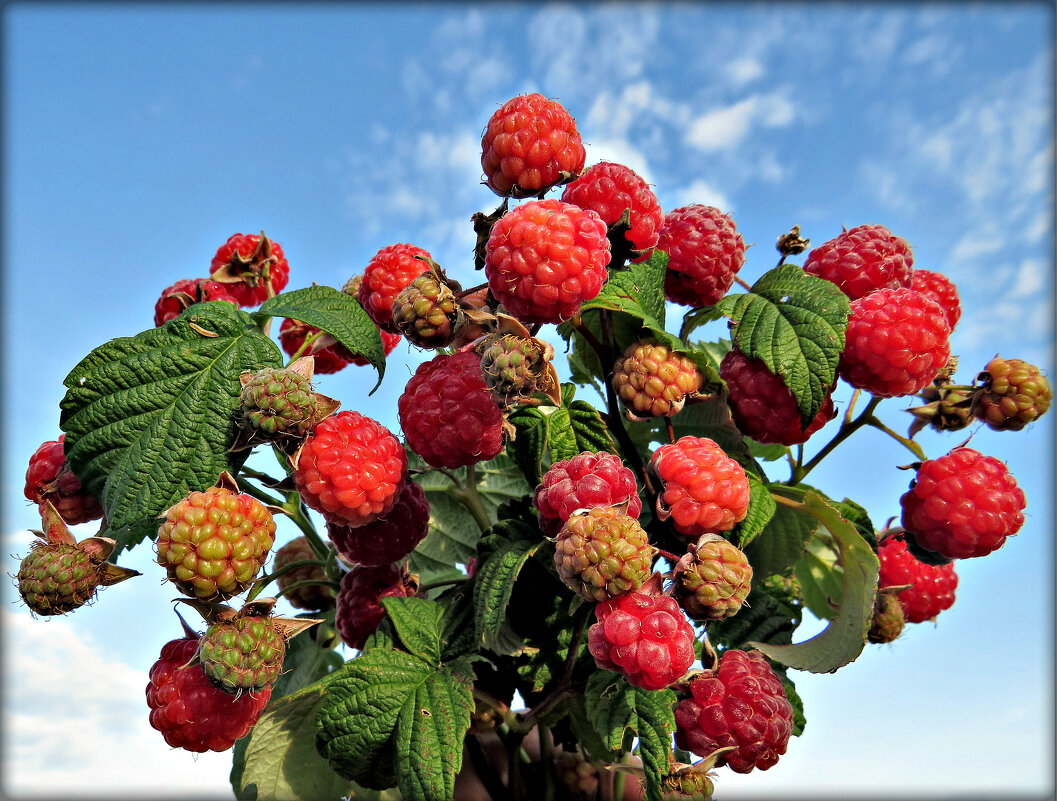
(516, 586)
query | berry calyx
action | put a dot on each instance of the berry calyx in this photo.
(388, 273)
(447, 412)
(896, 343)
(740, 703)
(602, 553)
(645, 637)
(584, 481)
(963, 505)
(863, 259)
(1013, 393)
(612, 190)
(252, 267)
(652, 380)
(544, 258)
(350, 469)
(530, 144)
(701, 489)
(926, 589)
(761, 404)
(390, 538)
(713, 579)
(705, 252)
(213, 543)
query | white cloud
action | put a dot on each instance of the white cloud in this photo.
(723, 128)
(702, 192)
(745, 70)
(975, 244)
(1030, 279)
(618, 151)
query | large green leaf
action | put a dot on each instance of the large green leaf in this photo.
(338, 314)
(843, 639)
(614, 706)
(150, 418)
(495, 584)
(417, 624)
(781, 543)
(795, 323)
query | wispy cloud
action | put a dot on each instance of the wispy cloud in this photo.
(727, 126)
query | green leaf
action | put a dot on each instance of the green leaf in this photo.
(430, 731)
(584, 729)
(795, 323)
(305, 663)
(529, 445)
(336, 313)
(150, 418)
(711, 418)
(494, 586)
(638, 291)
(561, 438)
(781, 543)
(697, 317)
(591, 432)
(845, 636)
(457, 634)
(761, 509)
(821, 579)
(417, 624)
(279, 759)
(767, 616)
(616, 707)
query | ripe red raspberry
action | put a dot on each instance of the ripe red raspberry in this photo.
(388, 539)
(310, 596)
(545, 258)
(941, 289)
(246, 263)
(645, 637)
(292, 334)
(1014, 393)
(389, 340)
(611, 189)
(583, 482)
(602, 553)
(762, 405)
(213, 543)
(351, 469)
(388, 272)
(931, 587)
(177, 298)
(359, 609)
(49, 478)
(866, 258)
(741, 704)
(189, 711)
(963, 504)
(702, 490)
(896, 343)
(447, 412)
(705, 251)
(530, 145)
(653, 380)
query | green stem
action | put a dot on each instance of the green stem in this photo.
(334, 585)
(264, 478)
(846, 430)
(259, 494)
(619, 778)
(909, 444)
(547, 761)
(469, 497)
(436, 584)
(306, 345)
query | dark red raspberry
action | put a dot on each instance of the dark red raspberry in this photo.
(896, 343)
(49, 478)
(388, 272)
(545, 258)
(585, 481)
(741, 704)
(941, 289)
(246, 263)
(963, 504)
(931, 587)
(447, 412)
(866, 258)
(700, 488)
(530, 145)
(189, 711)
(705, 251)
(388, 539)
(762, 405)
(611, 189)
(351, 469)
(1013, 394)
(359, 609)
(177, 298)
(645, 637)
(292, 335)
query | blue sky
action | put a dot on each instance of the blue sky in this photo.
(138, 138)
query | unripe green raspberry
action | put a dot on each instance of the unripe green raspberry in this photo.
(603, 553)
(1014, 393)
(713, 579)
(888, 618)
(654, 381)
(427, 312)
(277, 402)
(243, 654)
(516, 367)
(687, 786)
